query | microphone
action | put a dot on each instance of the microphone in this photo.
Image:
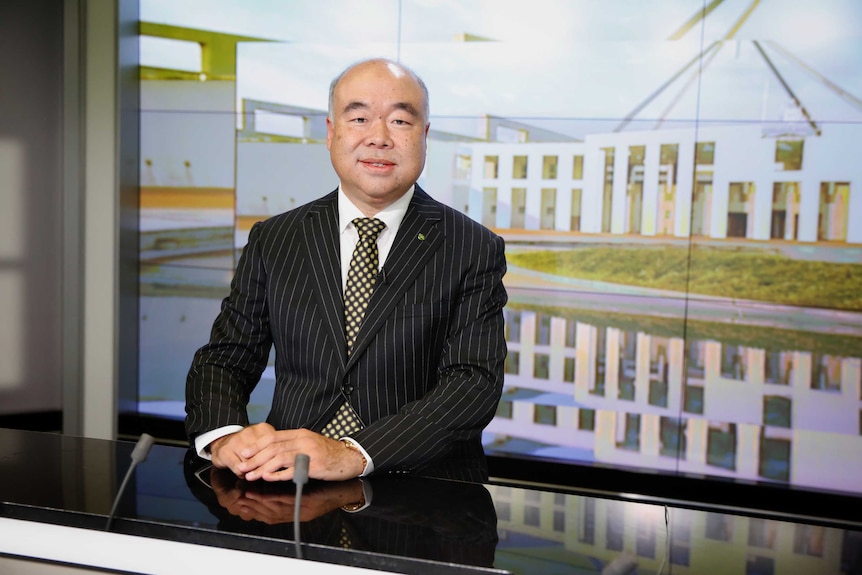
(139, 454)
(300, 478)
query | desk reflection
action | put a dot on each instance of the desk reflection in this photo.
(416, 517)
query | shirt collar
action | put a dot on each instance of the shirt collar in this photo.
(391, 215)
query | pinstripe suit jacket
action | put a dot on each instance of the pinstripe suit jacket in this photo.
(425, 374)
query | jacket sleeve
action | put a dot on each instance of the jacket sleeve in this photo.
(226, 370)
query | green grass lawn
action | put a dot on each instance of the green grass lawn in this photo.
(738, 273)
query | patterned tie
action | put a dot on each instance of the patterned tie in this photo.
(361, 277)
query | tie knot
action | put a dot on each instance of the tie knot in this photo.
(368, 228)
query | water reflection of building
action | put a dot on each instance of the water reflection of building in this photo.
(595, 532)
(628, 397)
(716, 182)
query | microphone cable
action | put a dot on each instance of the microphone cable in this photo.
(139, 454)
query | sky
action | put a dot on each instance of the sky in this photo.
(563, 61)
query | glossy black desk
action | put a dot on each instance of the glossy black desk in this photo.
(408, 525)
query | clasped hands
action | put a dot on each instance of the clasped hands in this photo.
(261, 452)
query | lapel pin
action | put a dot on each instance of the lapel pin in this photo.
(421, 236)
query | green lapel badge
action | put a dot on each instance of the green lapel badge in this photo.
(421, 237)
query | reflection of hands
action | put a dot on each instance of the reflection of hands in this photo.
(262, 452)
(252, 502)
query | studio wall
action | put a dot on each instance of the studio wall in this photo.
(677, 184)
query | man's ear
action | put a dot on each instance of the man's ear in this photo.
(329, 130)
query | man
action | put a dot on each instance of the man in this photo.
(418, 368)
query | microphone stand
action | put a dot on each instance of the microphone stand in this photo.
(139, 454)
(300, 478)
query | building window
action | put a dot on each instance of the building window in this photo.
(778, 368)
(549, 209)
(504, 510)
(489, 207)
(571, 333)
(784, 223)
(645, 542)
(629, 432)
(756, 565)
(635, 189)
(587, 523)
(695, 352)
(578, 168)
(519, 168)
(532, 516)
(608, 190)
(587, 419)
(774, 457)
(666, 197)
(740, 209)
(761, 532)
(504, 409)
(693, 399)
(834, 211)
(704, 153)
(721, 446)
(777, 411)
(615, 526)
(513, 363)
(463, 166)
(492, 164)
(575, 224)
(549, 168)
(627, 372)
(513, 326)
(825, 372)
(519, 208)
(788, 153)
(559, 521)
(672, 437)
(680, 550)
(719, 527)
(543, 329)
(545, 414)
(597, 383)
(541, 366)
(808, 540)
(569, 369)
(732, 364)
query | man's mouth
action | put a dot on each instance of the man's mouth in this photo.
(377, 163)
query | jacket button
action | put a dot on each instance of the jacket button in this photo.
(347, 389)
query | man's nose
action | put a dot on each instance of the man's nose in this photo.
(379, 135)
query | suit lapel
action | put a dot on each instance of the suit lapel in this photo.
(323, 264)
(418, 238)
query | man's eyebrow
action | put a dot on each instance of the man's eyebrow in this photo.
(355, 105)
(360, 105)
(407, 107)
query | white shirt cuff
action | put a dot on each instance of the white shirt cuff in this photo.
(203, 440)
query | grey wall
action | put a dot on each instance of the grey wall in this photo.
(31, 136)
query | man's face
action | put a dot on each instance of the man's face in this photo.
(377, 135)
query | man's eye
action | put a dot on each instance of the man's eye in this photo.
(359, 120)
(401, 122)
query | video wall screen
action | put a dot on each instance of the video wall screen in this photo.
(678, 184)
